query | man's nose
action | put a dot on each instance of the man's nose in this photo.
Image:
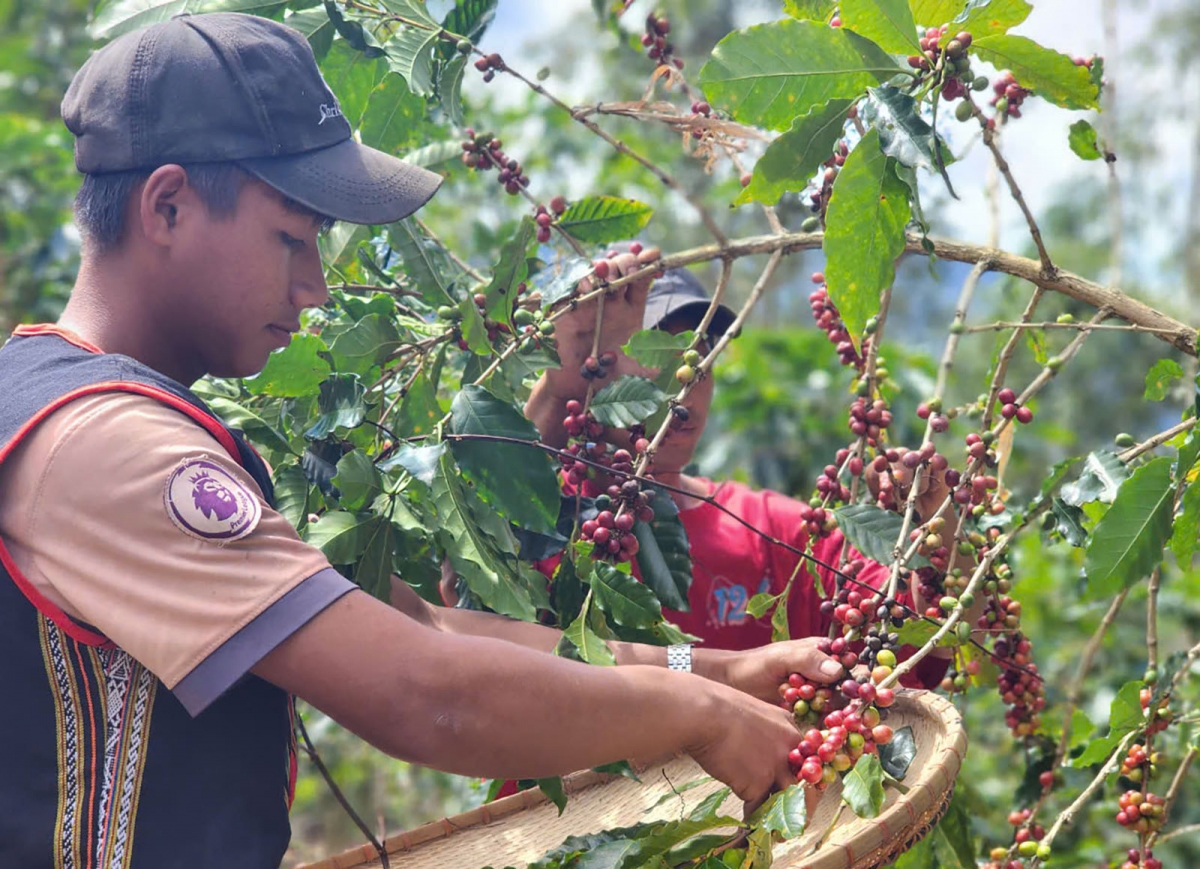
(309, 289)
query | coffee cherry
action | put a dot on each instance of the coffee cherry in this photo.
(685, 374)
(1124, 440)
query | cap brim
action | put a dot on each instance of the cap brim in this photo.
(349, 181)
(658, 310)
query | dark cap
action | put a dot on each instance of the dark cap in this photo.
(678, 291)
(226, 87)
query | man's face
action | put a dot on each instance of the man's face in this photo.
(240, 282)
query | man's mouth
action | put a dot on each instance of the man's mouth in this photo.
(283, 333)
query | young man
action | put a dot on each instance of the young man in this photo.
(157, 615)
(730, 562)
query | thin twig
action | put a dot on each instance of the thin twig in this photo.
(1173, 790)
(1181, 831)
(1006, 355)
(1157, 441)
(1084, 327)
(1152, 614)
(311, 751)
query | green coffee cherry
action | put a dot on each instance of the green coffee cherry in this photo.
(963, 111)
(1124, 440)
(980, 83)
(1044, 852)
(691, 357)
(524, 317)
(811, 224)
(445, 312)
(464, 46)
(546, 327)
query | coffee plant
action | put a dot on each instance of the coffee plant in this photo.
(394, 424)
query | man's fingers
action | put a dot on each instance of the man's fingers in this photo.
(818, 667)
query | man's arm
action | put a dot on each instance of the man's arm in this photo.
(482, 707)
(756, 674)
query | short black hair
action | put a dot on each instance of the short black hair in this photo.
(102, 198)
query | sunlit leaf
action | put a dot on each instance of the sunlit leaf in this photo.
(295, 371)
(887, 23)
(1161, 377)
(625, 401)
(791, 161)
(1128, 542)
(1051, 75)
(862, 788)
(605, 219)
(1082, 140)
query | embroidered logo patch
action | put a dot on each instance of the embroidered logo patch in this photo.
(208, 503)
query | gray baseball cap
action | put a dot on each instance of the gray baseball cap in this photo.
(679, 291)
(227, 87)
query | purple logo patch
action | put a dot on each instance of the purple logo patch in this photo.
(207, 502)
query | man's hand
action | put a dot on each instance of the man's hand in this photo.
(575, 335)
(759, 672)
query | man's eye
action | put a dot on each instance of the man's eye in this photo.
(291, 241)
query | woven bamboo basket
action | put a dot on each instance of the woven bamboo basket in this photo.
(521, 828)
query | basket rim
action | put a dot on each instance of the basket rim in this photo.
(938, 707)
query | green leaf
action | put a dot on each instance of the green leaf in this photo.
(409, 52)
(664, 557)
(296, 370)
(392, 118)
(887, 23)
(1186, 536)
(357, 479)
(1099, 480)
(1186, 457)
(291, 494)
(374, 570)
(470, 18)
(418, 253)
(792, 160)
(897, 755)
(241, 417)
(1161, 376)
(605, 219)
(873, 531)
(1069, 521)
(780, 628)
(656, 348)
(419, 410)
(421, 462)
(758, 851)
(473, 329)
(1082, 140)
(413, 10)
(481, 547)
(759, 604)
(341, 536)
(864, 233)
(989, 18)
(512, 269)
(365, 344)
(434, 155)
(627, 601)
(317, 28)
(1124, 716)
(918, 633)
(955, 829)
(553, 789)
(625, 401)
(340, 404)
(517, 480)
(934, 12)
(810, 10)
(1057, 473)
(1051, 75)
(449, 88)
(352, 76)
(590, 646)
(1128, 542)
(1052, 727)
(862, 787)
(768, 74)
(115, 17)
(785, 814)
(903, 133)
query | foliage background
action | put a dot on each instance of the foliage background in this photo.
(781, 398)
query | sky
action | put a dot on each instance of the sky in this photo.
(1036, 145)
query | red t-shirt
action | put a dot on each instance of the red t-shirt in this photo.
(731, 564)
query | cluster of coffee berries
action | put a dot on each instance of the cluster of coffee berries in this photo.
(1141, 860)
(869, 420)
(544, 217)
(596, 367)
(1160, 717)
(687, 372)
(654, 39)
(536, 330)
(1009, 407)
(932, 411)
(701, 109)
(828, 486)
(850, 610)
(489, 65)
(1007, 95)
(827, 317)
(483, 151)
(619, 506)
(848, 732)
(453, 315)
(1027, 838)
(931, 545)
(1020, 689)
(1140, 812)
(1138, 762)
(818, 522)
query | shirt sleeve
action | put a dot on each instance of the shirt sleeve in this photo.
(153, 535)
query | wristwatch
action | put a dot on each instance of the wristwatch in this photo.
(679, 657)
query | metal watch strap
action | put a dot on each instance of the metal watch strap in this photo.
(679, 657)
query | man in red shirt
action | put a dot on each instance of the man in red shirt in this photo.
(730, 562)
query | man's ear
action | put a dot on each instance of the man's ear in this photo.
(166, 198)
